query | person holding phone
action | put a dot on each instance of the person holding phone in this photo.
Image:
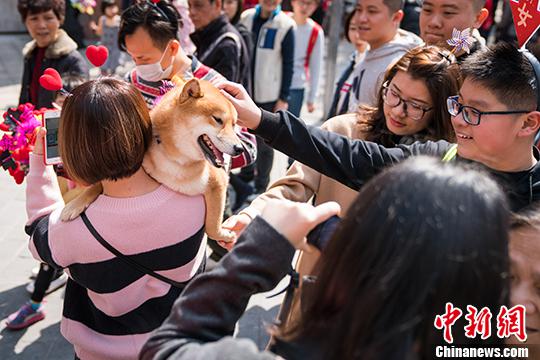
(396, 259)
(429, 75)
(110, 305)
(46, 278)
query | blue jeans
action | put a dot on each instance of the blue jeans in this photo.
(296, 99)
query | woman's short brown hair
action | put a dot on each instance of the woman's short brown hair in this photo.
(26, 7)
(105, 130)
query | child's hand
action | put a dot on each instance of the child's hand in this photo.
(39, 135)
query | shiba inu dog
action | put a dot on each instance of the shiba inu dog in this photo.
(192, 128)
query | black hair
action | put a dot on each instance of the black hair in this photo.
(107, 3)
(393, 5)
(238, 13)
(506, 72)
(27, 7)
(160, 20)
(419, 235)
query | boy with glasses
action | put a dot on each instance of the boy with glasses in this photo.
(495, 119)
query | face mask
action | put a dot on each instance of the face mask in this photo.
(154, 72)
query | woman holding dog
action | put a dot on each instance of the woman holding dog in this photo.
(424, 77)
(111, 305)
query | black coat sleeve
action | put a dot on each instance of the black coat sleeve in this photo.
(287, 53)
(212, 303)
(351, 162)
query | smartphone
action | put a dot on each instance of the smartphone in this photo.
(320, 236)
(51, 122)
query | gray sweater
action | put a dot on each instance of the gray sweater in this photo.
(202, 320)
(369, 72)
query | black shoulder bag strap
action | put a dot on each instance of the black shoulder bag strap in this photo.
(128, 260)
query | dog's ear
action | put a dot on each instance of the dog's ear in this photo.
(191, 89)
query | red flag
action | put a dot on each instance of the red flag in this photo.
(526, 14)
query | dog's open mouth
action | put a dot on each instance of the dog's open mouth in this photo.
(211, 152)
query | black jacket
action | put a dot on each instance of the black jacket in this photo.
(203, 318)
(221, 47)
(354, 162)
(62, 55)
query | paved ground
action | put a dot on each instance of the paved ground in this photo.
(43, 340)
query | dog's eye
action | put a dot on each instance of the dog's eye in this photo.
(218, 120)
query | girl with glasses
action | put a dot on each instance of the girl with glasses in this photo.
(411, 107)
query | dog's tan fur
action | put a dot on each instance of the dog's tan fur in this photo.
(175, 157)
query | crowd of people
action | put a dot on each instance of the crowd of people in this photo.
(419, 190)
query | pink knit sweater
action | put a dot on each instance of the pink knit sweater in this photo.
(110, 308)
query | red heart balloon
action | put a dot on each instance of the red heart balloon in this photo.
(4, 127)
(97, 55)
(19, 177)
(51, 80)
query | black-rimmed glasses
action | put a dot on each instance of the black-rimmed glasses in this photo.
(410, 108)
(471, 115)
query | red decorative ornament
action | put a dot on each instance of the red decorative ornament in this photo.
(526, 14)
(51, 80)
(155, 1)
(97, 55)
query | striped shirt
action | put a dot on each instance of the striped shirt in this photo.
(110, 308)
(152, 90)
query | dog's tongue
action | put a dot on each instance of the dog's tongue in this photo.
(218, 154)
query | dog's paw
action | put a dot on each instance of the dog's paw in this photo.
(72, 211)
(222, 235)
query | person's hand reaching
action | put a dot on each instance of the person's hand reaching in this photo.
(237, 224)
(249, 114)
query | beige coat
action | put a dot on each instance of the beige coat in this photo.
(301, 183)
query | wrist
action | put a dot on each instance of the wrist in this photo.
(257, 119)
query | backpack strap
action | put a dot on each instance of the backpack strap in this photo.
(127, 259)
(316, 28)
(450, 153)
(216, 42)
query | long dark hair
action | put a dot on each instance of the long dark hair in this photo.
(421, 234)
(238, 13)
(435, 66)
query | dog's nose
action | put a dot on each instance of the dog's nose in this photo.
(238, 149)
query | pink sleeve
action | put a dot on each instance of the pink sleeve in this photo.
(42, 191)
